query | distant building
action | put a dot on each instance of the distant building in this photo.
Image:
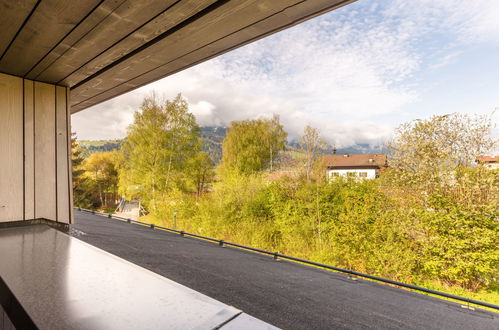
(361, 166)
(488, 161)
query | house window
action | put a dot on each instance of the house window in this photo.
(363, 174)
(352, 174)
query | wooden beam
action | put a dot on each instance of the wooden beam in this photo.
(209, 28)
(14, 14)
(103, 48)
(94, 18)
(170, 18)
(48, 25)
(206, 38)
(118, 24)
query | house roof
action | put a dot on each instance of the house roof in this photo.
(487, 159)
(356, 160)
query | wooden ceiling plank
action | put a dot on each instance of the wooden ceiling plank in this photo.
(124, 20)
(50, 22)
(13, 14)
(104, 9)
(288, 17)
(169, 19)
(231, 17)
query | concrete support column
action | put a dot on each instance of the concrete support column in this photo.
(35, 151)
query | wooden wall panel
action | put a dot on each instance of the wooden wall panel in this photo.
(29, 148)
(11, 148)
(45, 156)
(35, 149)
(62, 156)
(70, 154)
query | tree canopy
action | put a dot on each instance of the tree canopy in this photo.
(102, 173)
(426, 151)
(159, 147)
(252, 145)
(311, 144)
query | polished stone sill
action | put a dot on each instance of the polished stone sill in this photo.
(40, 221)
(64, 283)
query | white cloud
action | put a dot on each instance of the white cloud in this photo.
(339, 72)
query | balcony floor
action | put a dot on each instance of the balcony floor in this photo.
(285, 294)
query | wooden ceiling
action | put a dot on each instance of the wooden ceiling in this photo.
(104, 48)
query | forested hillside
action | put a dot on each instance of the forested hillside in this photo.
(213, 137)
(89, 147)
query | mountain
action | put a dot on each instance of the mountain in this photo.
(362, 148)
(213, 137)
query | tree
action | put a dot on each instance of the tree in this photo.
(276, 139)
(102, 171)
(311, 143)
(160, 142)
(455, 206)
(252, 145)
(81, 195)
(427, 152)
(200, 171)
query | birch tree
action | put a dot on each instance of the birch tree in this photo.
(311, 144)
(160, 142)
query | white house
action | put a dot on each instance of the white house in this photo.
(489, 162)
(360, 166)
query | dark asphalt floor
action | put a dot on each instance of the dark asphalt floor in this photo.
(282, 293)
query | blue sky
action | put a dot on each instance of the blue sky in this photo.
(355, 73)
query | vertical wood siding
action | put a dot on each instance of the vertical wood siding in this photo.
(29, 147)
(11, 148)
(35, 165)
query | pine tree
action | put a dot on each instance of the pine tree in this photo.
(81, 191)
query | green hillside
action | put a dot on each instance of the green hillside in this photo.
(213, 137)
(89, 146)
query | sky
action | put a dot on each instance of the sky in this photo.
(355, 73)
